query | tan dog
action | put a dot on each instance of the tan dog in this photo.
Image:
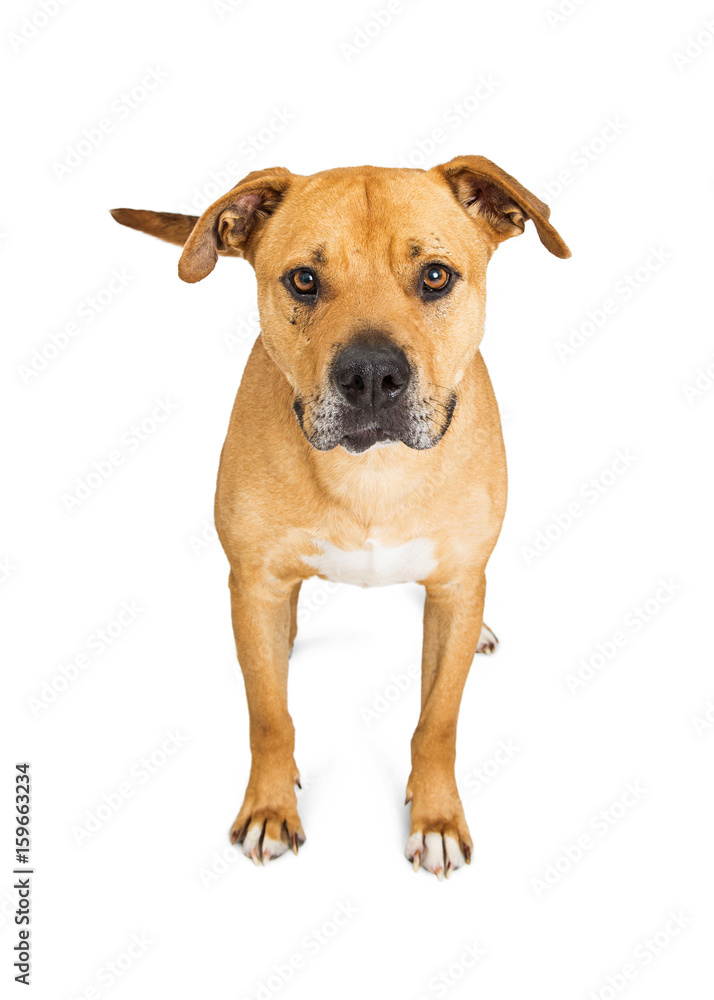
(365, 443)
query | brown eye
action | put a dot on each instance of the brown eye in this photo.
(304, 281)
(436, 278)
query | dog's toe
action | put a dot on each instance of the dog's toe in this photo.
(487, 641)
(252, 842)
(454, 857)
(272, 849)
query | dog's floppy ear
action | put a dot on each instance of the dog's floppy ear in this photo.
(229, 225)
(226, 227)
(493, 196)
(164, 225)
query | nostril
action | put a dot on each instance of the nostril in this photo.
(391, 385)
(351, 381)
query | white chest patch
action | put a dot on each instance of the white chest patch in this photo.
(376, 565)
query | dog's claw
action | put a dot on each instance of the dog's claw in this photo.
(487, 641)
(416, 861)
(439, 874)
(237, 835)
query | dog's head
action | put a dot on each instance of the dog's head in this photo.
(371, 284)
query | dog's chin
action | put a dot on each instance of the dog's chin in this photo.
(360, 441)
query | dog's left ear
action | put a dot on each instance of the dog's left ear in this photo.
(228, 227)
(492, 196)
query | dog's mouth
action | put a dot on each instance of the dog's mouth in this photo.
(359, 441)
(419, 425)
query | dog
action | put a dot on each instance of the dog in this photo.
(365, 442)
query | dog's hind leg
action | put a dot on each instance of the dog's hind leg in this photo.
(293, 613)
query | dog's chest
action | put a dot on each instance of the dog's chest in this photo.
(375, 565)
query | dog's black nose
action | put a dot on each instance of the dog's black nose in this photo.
(371, 375)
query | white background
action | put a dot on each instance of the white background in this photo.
(646, 185)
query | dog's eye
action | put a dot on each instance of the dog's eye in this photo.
(436, 278)
(304, 281)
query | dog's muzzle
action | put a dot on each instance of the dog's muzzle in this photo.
(373, 397)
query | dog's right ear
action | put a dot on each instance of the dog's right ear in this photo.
(163, 225)
(228, 227)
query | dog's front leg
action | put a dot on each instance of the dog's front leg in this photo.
(439, 838)
(268, 822)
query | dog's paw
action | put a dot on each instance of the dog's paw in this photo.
(265, 834)
(438, 850)
(487, 641)
(439, 838)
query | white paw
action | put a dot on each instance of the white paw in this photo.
(436, 852)
(265, 837)
(260, 848)
(487, 641)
